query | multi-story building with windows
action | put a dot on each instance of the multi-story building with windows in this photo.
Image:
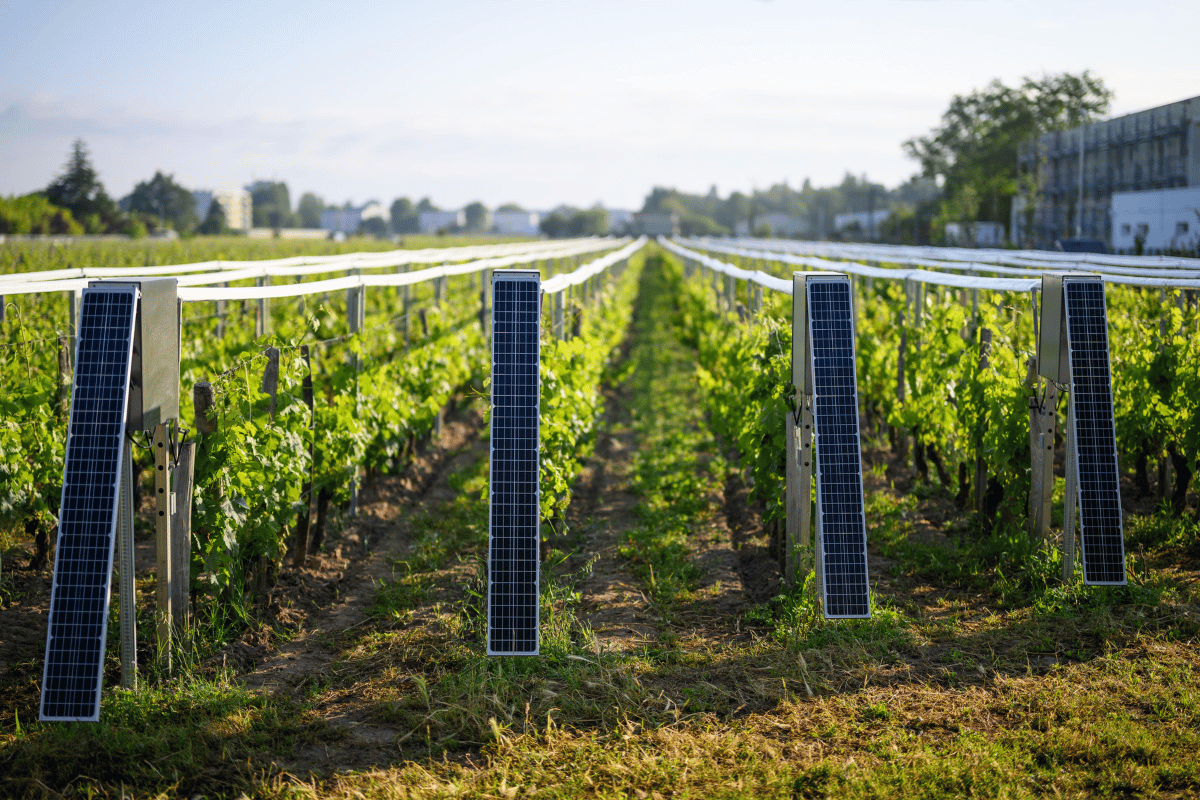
(1145, 151)
(235, 203)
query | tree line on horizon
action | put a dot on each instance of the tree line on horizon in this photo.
(967, 169)
(967, 173)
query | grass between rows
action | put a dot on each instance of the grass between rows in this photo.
(677, 470)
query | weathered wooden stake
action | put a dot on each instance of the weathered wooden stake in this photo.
(64, 378)
(1070, 497)
(126, 574)
(73, 298)
(262, 322)
(181, 537)
(270, 380)
(558, 315)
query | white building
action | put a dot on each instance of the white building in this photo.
(434, 221)
(656, 224)
(348, 220)
(517, 223)
(869, 222)
(975, 234)
(1163, 218)
(235, 203)
(780, 225)
(619, 220)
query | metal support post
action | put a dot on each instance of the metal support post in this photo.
(164, 584)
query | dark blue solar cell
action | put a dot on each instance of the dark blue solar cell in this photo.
(79, 600)
(514, 515)
(1102, 546)
(841, 522)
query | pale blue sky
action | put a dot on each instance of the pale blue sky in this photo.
(538, 102)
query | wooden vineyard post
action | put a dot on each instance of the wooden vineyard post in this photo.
(407, 311)
(221, 314)
(181, 537)
(262, 322)
(985, 342)
(64, 378)
(798, 435)
(162, 542)
(1036, 460)
(126, 573)
(1070, 495)
(1042, 422)
(482, 306)
(73, 298)
(300, 544)
(487, 282)
(558, 315)
(203, 399)
(270, 380)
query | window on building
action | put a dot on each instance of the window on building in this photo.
(1181, 228)
(1143, 228)
(1126, 229)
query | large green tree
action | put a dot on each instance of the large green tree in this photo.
(215, 223)
(162, 197)
(476, 215)
(309, 210)
(404, 216)
(272, 205)
(973, 152)
(593, 222)
(78, 190)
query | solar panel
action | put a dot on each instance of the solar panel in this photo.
(79, 599)
(1102, 542)
(513, 514)
(842, 525)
